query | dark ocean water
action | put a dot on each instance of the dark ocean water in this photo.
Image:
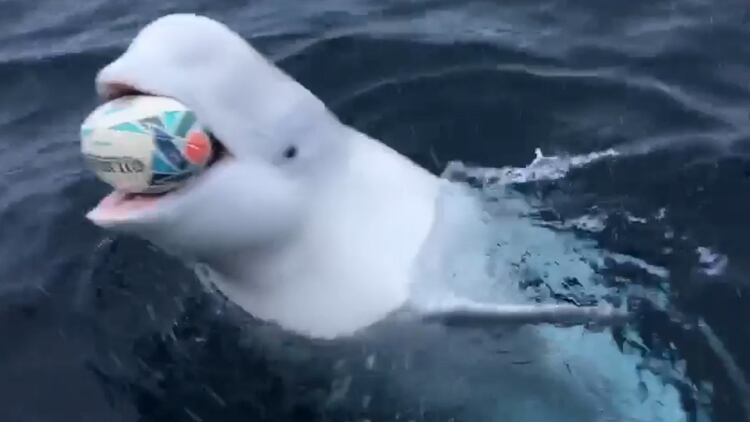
(102, 328)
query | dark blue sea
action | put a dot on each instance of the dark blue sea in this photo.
(100, 327)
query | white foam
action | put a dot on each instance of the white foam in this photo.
(713, 263)
(592, 223)
(655, 270)
(541, 168)
(633, 219)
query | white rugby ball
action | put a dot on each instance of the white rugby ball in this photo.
(145, 144)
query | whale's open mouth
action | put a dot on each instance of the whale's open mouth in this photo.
(118, 207)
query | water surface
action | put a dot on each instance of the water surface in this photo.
(97, 327)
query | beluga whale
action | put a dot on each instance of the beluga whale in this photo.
(303, 221)
(313, 226)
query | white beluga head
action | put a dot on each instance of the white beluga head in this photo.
(255, 192)
(302, 220)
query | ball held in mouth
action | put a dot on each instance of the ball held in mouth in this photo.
(145, 144)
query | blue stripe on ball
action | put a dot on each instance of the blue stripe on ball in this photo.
(169, 150)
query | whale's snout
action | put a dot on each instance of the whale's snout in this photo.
(253, 189)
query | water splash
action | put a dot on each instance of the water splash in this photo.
(541, 168)
(712, 263)
(551, 264)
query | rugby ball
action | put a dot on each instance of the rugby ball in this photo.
(145, 144)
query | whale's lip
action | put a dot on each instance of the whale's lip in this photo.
(122, 207)
(112, 90)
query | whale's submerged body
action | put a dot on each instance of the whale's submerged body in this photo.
(314, 226)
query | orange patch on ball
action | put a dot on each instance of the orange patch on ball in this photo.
(198, 148)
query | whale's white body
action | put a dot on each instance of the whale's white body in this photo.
(346, 270)
(334, 240)
(365, 210)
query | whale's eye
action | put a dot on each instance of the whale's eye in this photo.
(290, 152)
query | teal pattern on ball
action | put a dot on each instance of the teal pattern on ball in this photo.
(169, 131)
